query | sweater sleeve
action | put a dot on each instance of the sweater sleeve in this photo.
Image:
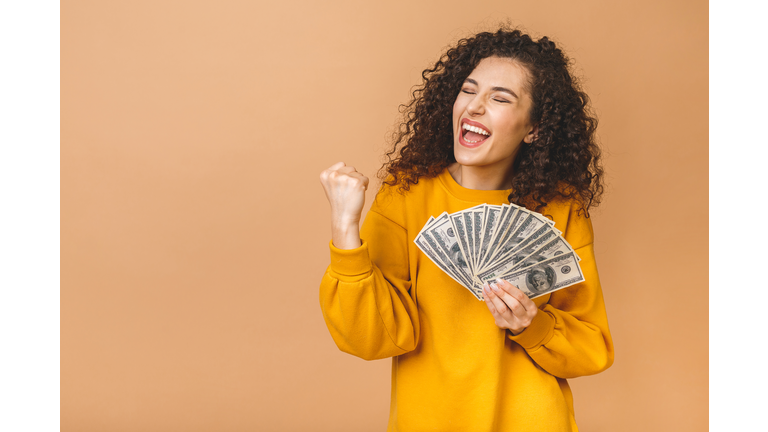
(364, 293)
(569, 336)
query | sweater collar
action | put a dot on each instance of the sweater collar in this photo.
(473, 195)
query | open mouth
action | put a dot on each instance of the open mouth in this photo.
(472, 134)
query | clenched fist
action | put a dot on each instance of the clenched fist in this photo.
(345, 189)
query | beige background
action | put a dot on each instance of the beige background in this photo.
(194, 230)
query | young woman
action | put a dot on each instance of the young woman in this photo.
(498, 119)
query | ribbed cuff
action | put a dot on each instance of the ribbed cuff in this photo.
(538, 333)
(351, 264)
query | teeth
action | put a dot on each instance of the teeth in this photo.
(475, 129)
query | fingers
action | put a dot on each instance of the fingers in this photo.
(506, 304)
(364, 179)
(501, 312)
(512, 291)
(497, 316)
(326, 173)
(346, 170)
(498, 302)
(345, 189)
(349, 176)
(489, 303)
(510, 307)
(338, 171)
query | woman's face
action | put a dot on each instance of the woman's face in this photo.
(495, 104)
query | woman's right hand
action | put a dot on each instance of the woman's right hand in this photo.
(345, 189)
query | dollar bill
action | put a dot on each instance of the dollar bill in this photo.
(516, 235)
(477, 228)
(428, 224)
(543, 218)
(501, 218)
(489, 241)
(457, 220)
(506, 223)
(434, 256)
(546, 246)
(441, 232)
(490, 223)
(545, 276)
(467, 217)
(521, 241)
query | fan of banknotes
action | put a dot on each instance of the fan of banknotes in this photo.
(487, 242)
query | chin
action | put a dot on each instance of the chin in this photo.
(462, 158)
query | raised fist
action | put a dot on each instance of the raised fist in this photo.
(345, 189)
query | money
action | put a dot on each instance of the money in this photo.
(546, 276)
(486, 242)
(441, 237)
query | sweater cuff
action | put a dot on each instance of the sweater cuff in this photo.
(538, 333)
(351, 264)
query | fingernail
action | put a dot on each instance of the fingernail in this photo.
(495, 288)
(498, 281)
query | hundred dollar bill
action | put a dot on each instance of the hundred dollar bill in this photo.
(453, 262)
(546, 246)
(546, 276)
(445, 239)
(509, 262)
(532, 227)
(467, 217)
(489, 227)
(427, 225)
(555, 247)
(472, 225)
(477, 234)
(511, 240)
(429, 246)
(434, 256)
(543, 218)
(501, 217)
(485, 241)
(514, 223)
(542, 230)
(457, 220)
(506, 223)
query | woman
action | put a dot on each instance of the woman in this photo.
(498, 119)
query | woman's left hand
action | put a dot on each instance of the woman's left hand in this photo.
(510, 307)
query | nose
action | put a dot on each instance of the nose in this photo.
(476, 107)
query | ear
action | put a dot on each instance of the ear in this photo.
(532, 134)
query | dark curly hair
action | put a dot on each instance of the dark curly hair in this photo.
(563, 161)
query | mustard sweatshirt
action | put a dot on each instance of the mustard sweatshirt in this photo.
(453, 369)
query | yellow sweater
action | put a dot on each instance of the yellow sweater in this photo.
(453, 369)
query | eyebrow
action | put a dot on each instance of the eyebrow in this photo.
(501, 89)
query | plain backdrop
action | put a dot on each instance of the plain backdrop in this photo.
(194, 230)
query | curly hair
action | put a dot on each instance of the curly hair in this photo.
(562, 161)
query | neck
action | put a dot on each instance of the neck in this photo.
(481, 178)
